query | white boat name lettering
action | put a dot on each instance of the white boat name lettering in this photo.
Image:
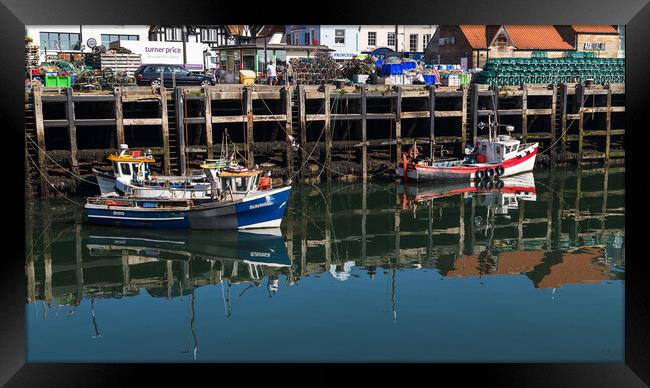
(260, 254)
(259, 205)
(115, 213)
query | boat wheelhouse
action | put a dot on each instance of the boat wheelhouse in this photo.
(132, 166)
(494, 156)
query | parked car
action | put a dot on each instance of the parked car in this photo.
(150, 75)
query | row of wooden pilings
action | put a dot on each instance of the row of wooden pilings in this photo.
(198, 108)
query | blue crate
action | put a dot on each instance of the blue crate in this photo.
(429, 79)
(407, 65)
(392, 69)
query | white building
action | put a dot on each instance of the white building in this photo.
(344, 40)
(351, 40)
(79, 38)
(409, 38)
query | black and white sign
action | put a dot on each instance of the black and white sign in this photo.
(91, 43)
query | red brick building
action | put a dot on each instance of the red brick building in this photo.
(471, 45)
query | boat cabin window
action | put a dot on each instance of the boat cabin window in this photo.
(498, 150)
(116, 170)
(483, 147)
(240, 184)
(125, 168)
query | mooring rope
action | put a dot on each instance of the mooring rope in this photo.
(54, 161)
(47, 180)
(299, 146)
(566, 130)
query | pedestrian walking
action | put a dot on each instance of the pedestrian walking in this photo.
(270, 73)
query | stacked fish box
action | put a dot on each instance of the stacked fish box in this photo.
(128, 63)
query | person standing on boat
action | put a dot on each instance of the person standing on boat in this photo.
(265, 182)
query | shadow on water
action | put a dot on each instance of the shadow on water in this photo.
(558, 227)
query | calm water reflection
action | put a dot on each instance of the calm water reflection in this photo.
(533, 271)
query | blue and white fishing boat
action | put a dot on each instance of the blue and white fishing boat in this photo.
(258, 209)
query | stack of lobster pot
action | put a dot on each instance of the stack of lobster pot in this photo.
(315, 71)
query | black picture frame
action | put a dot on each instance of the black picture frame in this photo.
(635, 14)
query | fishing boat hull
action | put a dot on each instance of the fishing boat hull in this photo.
(263, 209)
(106, 183)
(454, 171)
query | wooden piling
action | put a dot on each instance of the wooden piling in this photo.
(180, 128)
(72, 130)
(463, 120)
(288, 91)
(303, 130)
(47, 250)
(207, 105)
(364, 217)
(165, 131)
(432, 120)
(250, 157)
(328, 132)
(524, 113)
(474, 100)
(119, 116)
(553, 122)
(398, 127)
(580, 93)
(564, 88)
(40, 139)
(364, 138)
(608, 124)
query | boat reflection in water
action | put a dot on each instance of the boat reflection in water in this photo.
(546, 269)
(342, 250)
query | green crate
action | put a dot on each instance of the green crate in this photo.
(57, 81)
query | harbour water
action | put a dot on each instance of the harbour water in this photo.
(376, 272)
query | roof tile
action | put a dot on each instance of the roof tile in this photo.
(537, 37)
(594, 29)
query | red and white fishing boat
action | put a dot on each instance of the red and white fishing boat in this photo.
(494, 156)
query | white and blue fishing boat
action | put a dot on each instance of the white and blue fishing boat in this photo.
(258, 209)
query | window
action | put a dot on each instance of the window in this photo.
(125, 168)
(372, 38)
(241, 184)
(413, 40)
(209, 35)
(289, 40)
(425, 41)
(390, 38)
(446, 41)
(339, 36)
(108, 38)
(115, 169)
(501, 40)
(60, 41)
(173, 34)
(307, 40)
